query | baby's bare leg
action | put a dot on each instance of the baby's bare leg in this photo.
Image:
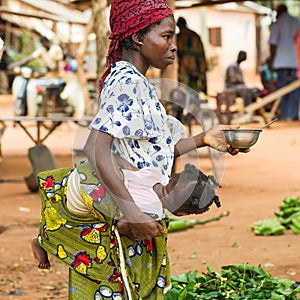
(40, 255)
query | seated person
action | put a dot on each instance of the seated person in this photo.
(234, 81)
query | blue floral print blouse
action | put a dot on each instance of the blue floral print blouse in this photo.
(131, 112)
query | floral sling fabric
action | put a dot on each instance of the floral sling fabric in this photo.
(88, 245)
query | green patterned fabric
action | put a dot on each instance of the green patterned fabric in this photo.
(89, 247)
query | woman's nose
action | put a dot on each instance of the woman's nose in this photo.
(173, 47)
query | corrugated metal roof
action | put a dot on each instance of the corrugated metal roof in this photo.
(69, 14)
(41, 15)
(65, 32)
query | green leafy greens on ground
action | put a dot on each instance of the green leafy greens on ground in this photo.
(288, 217)
(268, 227)
(233, 282)
(289, 214)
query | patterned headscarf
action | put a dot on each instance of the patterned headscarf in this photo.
(128, 17)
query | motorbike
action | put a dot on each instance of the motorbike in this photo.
(49, 100)
(36, 95)
(19, 89)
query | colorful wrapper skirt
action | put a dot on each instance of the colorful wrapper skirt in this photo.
(102, 264)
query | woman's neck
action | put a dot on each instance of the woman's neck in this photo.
(135, 59)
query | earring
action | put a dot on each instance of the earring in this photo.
(140, 43)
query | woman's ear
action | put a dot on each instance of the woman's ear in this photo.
(137, 39)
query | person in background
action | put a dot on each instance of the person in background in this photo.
(297, 47)
(3, 69)
(283, 34)
(192, 65)
(268, 78)
(192, 68)
(51, 55)
(2, 124)
(234, 81)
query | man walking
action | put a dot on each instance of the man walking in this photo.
(284, 60)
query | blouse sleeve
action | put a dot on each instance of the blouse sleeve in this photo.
(176, 128)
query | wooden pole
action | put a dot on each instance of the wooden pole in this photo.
(80, 57)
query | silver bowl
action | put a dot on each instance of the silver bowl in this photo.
(242, 138)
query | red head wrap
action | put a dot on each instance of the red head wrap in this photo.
(128, 17)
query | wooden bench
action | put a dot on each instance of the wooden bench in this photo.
(274, 98)
(227, 104)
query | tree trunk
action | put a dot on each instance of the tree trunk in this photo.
(98, 24)
(101, 29)
(79, 57)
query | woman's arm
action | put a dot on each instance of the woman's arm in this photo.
(186, 145)
(213, 137)
(98, 152)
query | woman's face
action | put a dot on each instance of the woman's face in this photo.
(158, 49)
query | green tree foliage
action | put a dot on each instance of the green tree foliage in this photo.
(25, 48)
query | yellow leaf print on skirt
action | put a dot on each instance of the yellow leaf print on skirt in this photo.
(101, 253)
(53, 219)
(61, 253)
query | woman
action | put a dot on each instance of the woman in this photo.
(116, 251)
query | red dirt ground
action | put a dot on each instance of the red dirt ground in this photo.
(253, 187)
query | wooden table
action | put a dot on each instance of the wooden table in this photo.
(47, 123)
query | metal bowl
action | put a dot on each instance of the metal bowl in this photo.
(242, 138)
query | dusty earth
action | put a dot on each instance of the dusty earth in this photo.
(253, 187)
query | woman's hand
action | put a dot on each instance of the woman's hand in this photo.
(141, 231)
(215, 138)
(146, 231)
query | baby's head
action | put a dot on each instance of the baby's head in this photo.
(193, 191)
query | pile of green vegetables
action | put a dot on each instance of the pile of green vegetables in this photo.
(233, 282)
(288, 217)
